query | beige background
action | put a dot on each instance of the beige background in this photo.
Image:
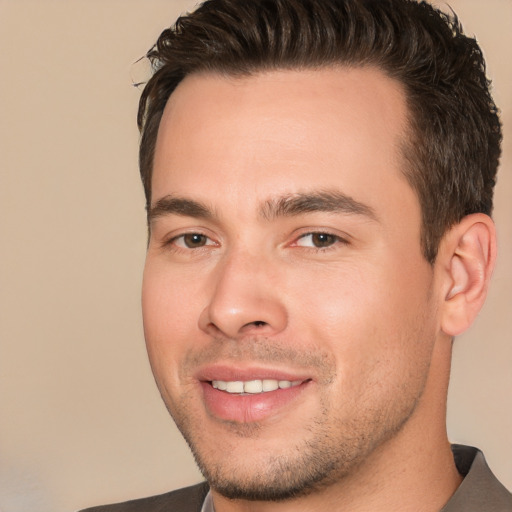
(81, 421)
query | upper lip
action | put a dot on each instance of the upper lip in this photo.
(233, 372)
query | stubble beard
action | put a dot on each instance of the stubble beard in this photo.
(307, 467)
(329, 452)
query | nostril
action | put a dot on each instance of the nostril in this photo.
(257, 327)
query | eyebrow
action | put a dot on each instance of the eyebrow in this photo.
(171, 205)
(322, 201)
(283, 206)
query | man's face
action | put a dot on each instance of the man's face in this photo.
(288, 310)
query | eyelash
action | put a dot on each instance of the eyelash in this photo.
(171, 243)
(336, 240)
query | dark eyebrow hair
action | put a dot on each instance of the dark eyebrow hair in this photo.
(322, 201)
(179, 206)
(282, 206)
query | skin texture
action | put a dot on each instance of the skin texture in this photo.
(285, 244)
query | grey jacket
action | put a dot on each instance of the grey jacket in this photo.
(480, 491)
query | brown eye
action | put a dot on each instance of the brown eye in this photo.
(190, 241)
(323, 239)
(194, 240)
(318, 240)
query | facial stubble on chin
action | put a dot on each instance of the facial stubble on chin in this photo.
(327, 452)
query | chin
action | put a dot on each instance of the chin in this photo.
(276, 481)
(249, 471)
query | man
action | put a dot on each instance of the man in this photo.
(319, 180)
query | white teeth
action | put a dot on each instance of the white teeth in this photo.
(270, 385)
(222, 385)
(253, 386)
(235, 387)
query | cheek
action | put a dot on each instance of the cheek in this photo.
(168, 314)
(369, 318)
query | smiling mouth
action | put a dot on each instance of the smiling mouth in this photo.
(250, 400)
(253, 387)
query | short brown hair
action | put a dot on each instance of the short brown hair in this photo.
(453, 149)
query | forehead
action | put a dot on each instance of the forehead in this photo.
(282, 131)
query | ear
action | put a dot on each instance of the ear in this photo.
(467, 255)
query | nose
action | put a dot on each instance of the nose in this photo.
(245, 299)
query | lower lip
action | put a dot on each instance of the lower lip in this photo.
(248, 408)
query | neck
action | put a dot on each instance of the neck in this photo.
(413, 471)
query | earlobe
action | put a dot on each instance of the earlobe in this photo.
(469, 253)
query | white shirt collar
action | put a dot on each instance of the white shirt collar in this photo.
(208, 503)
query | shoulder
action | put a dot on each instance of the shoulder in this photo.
(188, 499)
(480, 489)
